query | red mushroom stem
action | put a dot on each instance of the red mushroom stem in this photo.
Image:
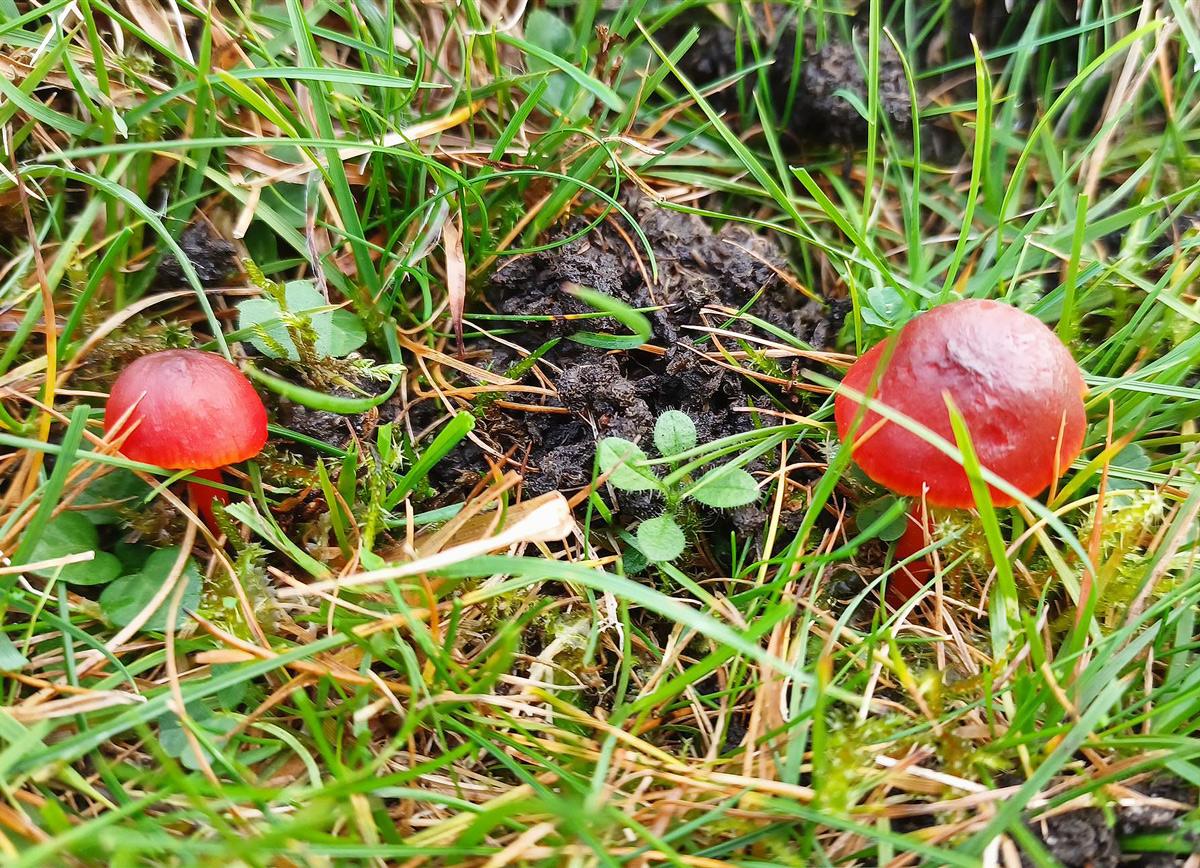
(910, 578)
(201, 496)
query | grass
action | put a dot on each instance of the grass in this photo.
(548, 698)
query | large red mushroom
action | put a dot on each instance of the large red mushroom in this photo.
(187, 410)
(1014, 382)
(1016, 385)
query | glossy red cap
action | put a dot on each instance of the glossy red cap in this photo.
(194, 411)
(1015, 383)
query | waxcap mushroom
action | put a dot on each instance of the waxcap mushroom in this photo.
(187, 410)
(1019, 391)
(193, 410)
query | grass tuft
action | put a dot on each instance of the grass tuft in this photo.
(405, 646)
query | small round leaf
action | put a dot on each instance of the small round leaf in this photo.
(619, 459)
(725, 488)
(269, 335)
(346, 333)
(68, 534)
(122, 600)
(118, 488)
(338, 332)
(674, 432)
(661, 539)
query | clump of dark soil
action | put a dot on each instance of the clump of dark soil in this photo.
(622, 393)
(822, 110)
(335, 429)
(811, 88)
(212, 256)
(712, 57)
(697, 267)
(1078, 839)
(1140, 819)
(811, 73)
(1084, 838)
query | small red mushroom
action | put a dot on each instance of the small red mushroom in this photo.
(1014, 382)
(188, 410)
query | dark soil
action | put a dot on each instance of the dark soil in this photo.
(809, 71)
(1143, 819)
(713, 55)
(335, 429)
(818, 114)
(332, 428)
(212, 256)
(1084, 838)
(1079, 839)
(697, 267)
(622, 393)
(820, 111)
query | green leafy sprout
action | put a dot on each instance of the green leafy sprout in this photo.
(628, 468)
(295, 322)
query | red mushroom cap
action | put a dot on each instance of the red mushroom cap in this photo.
(194, 411)
(1015, 383)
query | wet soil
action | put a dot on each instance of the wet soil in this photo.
(812, 73)
(1085, 838)
(336, 429)
(809, 77)
(622, 393)
(213, 257)
(1079, 839)
(1143, 819)
(821, 111)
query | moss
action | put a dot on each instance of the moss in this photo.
(140, 336)
(1128, 520)
(219, 601)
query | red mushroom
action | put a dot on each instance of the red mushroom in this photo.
(1014, 382)
(188, 410)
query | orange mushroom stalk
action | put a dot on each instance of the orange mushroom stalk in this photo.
(188, 410)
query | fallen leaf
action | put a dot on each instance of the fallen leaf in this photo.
(151, 18)
(550, 520)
